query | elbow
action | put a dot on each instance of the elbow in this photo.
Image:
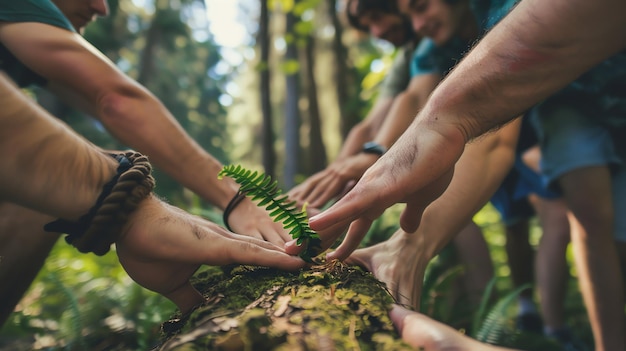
(120, 109)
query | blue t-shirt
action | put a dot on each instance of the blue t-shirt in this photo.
(42, 11)
(429, 58)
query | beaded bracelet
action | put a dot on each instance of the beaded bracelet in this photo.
(100, 227)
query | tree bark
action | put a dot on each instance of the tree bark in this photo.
(328, 307)
(269, 153)
(292, 109)
(317, 151)
(343, 76)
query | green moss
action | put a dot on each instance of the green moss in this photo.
(330, 306)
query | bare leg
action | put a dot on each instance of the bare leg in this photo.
(24, 247)
(474, 254)
(520, 256)
(589, 196)
(551, 265)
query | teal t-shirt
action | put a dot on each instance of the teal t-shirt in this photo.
(429, 58)
(42, 11)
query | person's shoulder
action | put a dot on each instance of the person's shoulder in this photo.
(41, 11)
(424, 58)
(425, 47)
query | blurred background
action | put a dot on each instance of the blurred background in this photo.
(273, 85)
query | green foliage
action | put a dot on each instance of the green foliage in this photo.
(260, 187)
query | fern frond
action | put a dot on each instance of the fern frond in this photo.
(494, 328)
(261, 188)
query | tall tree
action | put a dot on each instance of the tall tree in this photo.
(344, 76)
(263, 40)
(316, 160)
(292, 111)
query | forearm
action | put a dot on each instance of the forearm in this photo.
(537, 49)
(139, 120)
(405, 107)
(128, 110)
(367, 129)
(45, 166)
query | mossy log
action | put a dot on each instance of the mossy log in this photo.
(330, 306)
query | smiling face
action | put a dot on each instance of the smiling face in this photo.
(440, 20)
(392, 27)
(82, 12)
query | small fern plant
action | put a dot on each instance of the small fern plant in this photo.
(260, 187)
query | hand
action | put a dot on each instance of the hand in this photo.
(414, 170)
(251, 220)
(427, 334)
(332, 182)
(162, 246)
(400, 262)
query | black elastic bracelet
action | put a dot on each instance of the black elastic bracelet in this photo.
(231, 206)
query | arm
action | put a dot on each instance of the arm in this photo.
(47, 167)
(477, 175)
(330, 183)
(537, 49)
(366, 130)
(132, 114)
(42, 165)
(405, 107)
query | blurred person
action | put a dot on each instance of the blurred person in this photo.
(40, 44)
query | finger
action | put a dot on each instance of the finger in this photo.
(292, 247)
(341, 213)
(353, 239)
(274, 232)
(321, 194)
(411, 217)
(245, 252)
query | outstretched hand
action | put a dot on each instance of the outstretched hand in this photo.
(333, 181)
(162, 246)
(427, 334)
(414, 171)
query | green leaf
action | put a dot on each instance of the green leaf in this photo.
(259, 186)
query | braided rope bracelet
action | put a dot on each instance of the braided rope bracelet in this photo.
(101, 226)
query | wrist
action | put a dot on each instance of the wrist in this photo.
(101, 226)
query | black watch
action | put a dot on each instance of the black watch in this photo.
(372, 147)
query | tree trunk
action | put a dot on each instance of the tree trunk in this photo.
(343, 75)
(292, 110)
(328, 307)
(316, 151)
(269, 154)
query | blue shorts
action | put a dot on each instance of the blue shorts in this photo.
(511, 198)
(573, 137)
